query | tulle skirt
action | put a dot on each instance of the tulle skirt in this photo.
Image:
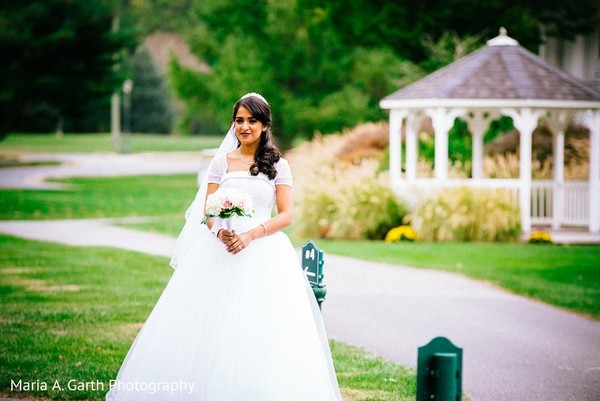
(232, 327)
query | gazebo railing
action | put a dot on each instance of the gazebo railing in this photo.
(577, 201)
(542, 202)
(560, 204)
(552, 204)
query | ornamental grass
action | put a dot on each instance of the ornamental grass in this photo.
(465, 214)
(340, 191)
(350, 203)
(502, 160)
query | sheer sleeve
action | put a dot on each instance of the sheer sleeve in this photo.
(284, 173)
(216, 169)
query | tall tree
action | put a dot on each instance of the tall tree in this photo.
(292, 54)
(151, 111)
(325, 64)
(57, 54)
(565, 19)
(160, 15)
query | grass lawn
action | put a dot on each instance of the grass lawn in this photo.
(159, 195)
(89, 143)
(71, 313)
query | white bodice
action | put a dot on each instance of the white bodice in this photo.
(260, 189)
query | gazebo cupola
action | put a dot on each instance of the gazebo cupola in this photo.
(502, 78)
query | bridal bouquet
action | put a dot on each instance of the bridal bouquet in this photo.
(226, 202)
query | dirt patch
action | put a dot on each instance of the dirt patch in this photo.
(34, 285)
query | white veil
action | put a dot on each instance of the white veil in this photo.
(193, 227)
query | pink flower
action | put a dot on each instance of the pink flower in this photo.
(225, 202)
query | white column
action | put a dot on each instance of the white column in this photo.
(396, 117)
(442, 120)
(574, 56)
(592, 120)
(478, 122)
(477, 162)
(525, 121)
(115, 103)
(413, 123)
(558, 151)
(558, 124)
(115, 121)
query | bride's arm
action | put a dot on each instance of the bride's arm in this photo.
(283, 218)
(210, 188)
(221, 233)
(285, 212)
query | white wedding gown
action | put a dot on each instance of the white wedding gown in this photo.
(242, 327)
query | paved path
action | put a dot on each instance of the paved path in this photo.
(96, 164)
(514, 348)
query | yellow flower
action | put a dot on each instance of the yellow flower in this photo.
(540, 237)
(401, 233)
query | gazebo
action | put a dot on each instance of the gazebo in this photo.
(502, 79)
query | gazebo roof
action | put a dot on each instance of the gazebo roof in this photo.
(501, 70)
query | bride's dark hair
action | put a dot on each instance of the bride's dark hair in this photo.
(267, 153)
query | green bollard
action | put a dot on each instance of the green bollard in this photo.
(312, 264)
(444, 369)
(439, 371)
(320, 290)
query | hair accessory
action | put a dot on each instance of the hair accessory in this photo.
(258, 95)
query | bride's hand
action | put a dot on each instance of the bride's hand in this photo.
(232, 241)
(239, 242)
(226, 236)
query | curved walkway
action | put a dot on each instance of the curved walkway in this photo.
(94, 165)
(514, 348)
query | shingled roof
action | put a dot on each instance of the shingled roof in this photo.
(500, 70)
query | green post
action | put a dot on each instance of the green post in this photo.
(312, 264)
(439, 371)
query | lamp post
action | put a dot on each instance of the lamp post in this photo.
(127, 89)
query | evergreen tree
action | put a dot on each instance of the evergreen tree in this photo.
(161, 15)
(57, 56)
(151, 111)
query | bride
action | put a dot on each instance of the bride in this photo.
(238, 320)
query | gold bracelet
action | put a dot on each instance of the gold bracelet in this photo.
(265, 228)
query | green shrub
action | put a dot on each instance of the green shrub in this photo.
(465, 214)
(354, 202)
